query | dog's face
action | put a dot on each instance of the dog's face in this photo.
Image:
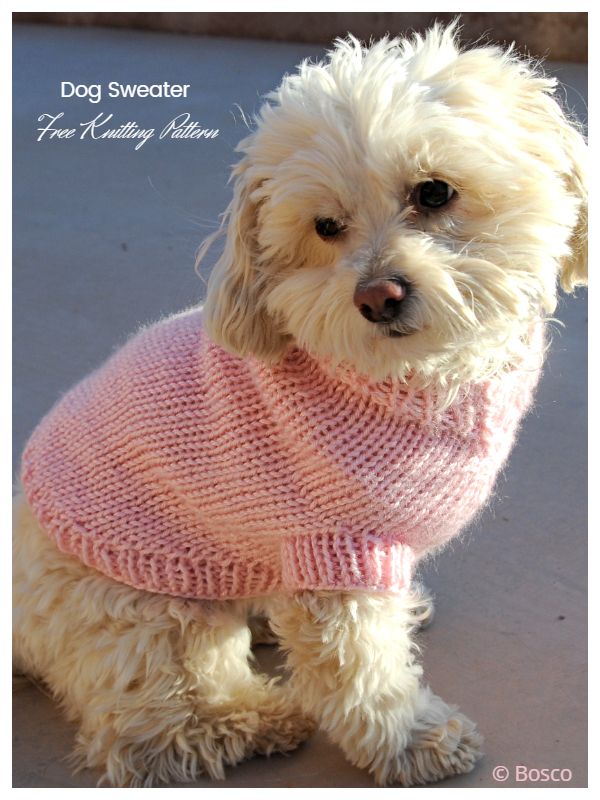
(405, 208)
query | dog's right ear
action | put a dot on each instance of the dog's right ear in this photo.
(234, 313)
(559, 142)
(574, 269)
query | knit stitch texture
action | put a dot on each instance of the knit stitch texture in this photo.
(180, 468)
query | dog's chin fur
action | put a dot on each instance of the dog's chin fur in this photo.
(350, 139)
(163, 687)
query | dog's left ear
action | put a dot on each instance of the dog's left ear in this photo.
(559, 142)
(235, 314)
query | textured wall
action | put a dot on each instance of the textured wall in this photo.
(559, 36)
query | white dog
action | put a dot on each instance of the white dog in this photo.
(400, 218)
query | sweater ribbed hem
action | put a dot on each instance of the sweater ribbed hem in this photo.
(321, 561)
(343, 561)
(175, 575)
(327, 562)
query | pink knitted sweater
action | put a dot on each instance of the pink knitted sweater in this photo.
(179, 468)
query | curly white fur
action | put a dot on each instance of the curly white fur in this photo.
(162, 687)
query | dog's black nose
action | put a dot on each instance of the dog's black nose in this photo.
(380, 300)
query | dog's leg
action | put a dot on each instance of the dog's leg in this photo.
(354, 670)
(421, 606)
(162, 687)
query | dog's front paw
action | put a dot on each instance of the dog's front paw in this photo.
(443, 743)
(451, 748)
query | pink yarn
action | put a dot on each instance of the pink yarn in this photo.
(179, 468)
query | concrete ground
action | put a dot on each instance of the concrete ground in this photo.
(104, 240)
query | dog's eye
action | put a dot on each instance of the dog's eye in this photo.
(433, 194)
(327, 227)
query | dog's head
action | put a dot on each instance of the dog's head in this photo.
(406, 208)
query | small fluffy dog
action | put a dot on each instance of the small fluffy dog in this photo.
(371, 338)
